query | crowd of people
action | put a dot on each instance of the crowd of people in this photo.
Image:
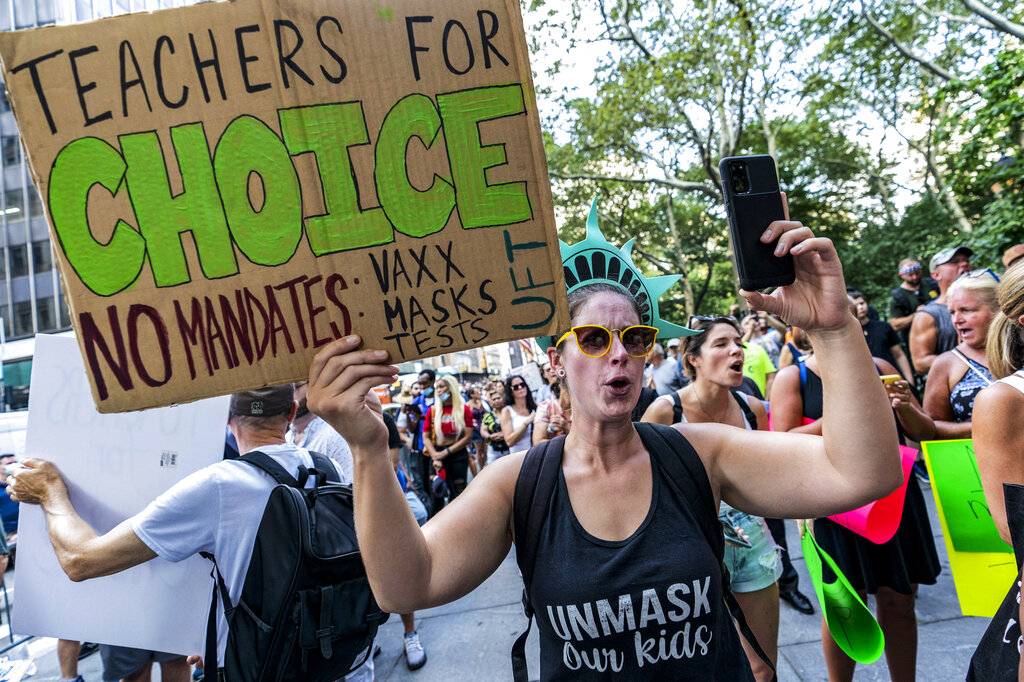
(803, 362)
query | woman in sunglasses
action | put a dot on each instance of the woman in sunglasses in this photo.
(517, 415)
(958, 375)
(625, 583)
(447, 430)
(714, 361)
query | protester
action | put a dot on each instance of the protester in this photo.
(665, 372)
(758, 367)
(1012, 255)
(881, 337)
(420, 404)
(931, 330)
(447, 430)
(613, 541)
(491, 429)
(998, 444)
(518, 414)
(714, 362)
(135, 665)
(890, 571)
(182, 522)
(958, 375)
(913, 293)
(765, 331)
(554, 416)
(794, 349)
(546, 390)
(478, 453)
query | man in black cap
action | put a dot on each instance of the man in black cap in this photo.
(931, 331)
(211, 510)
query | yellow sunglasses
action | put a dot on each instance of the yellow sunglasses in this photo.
(593, 340)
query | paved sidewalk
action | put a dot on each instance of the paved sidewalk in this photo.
(470, 639)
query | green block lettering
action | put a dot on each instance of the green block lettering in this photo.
(328, 130)
(104, 268)
(412, 211)
(164, 217)
(482, 204)
(268, 235)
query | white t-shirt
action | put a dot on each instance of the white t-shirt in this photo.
(321, 437)
(212, 511)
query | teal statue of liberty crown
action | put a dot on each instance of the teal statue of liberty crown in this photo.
(594, 260)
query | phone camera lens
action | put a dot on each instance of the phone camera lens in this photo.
(738, 174)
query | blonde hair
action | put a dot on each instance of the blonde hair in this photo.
(1005, 348)
(458, 405)
(984, 287)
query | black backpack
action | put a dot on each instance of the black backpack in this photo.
(306, 610)
(685, 473)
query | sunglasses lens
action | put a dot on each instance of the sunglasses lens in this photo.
(593, 340)
(638, 340)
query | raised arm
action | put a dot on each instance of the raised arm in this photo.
(998, 444)
(456, 550)
(856, 461)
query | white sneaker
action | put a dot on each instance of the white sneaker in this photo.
(415, 656)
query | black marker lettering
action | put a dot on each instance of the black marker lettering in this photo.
(342, 68)
(413, 47)
(82, 88)
(33, 71)
(161, 42)
(244, 59)
(202, 65)
(285, 60)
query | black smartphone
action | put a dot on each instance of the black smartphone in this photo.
(752, 202)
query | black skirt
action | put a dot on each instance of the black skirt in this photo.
(909, 558)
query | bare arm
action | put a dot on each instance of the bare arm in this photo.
(901, 323)
(902, 362)
(916, 423)
(456, 550)
(540, 424)
(790, 475)
(923, 337)
(998, 444)
(936, 398)
(81, 552)
(769, 379)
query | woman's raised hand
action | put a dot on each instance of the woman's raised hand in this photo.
(817, 299)
(340, 377)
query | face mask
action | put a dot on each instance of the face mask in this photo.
(444, 397)
(427, 391)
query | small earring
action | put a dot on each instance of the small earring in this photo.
(561, 374)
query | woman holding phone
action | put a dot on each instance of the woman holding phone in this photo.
(616, 532)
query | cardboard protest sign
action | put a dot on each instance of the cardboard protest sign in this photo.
(114, 465)
(232, 185)
(980, 577)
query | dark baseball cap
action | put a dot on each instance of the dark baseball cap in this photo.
(263, 402)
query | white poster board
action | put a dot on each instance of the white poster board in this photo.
(114, 464)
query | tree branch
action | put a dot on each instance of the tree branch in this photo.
(1000, 22)
(905, 50)
(955, 18)
(681, 185)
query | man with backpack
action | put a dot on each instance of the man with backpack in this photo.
(282, 627)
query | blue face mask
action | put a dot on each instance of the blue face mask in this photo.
(427, 391)
(444, 397)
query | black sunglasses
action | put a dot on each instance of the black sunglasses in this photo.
(516, 387)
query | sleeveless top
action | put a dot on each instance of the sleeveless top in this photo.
(524, 442)
(1016, 380)
(647, 607)
(946, 337)
(961, 397)
(811, 392)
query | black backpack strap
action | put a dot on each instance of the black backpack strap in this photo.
(325, 465)
(534, 487)
(266, 463)
(677, 408)
(686, 473)
(221, 590)
(745, 406)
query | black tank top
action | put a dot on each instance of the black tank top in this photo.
(811, 392)
(647, 607)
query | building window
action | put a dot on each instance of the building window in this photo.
(17, 257)
(5, 105)
(11, 146)
(35, 206)
(22, 318)
(46, 314)
(16, 381)
(65, 316)
(14, 205)
(42, 256)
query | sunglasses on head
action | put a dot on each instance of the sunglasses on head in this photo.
(710, 318)
(980, 272)
(593, 340)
